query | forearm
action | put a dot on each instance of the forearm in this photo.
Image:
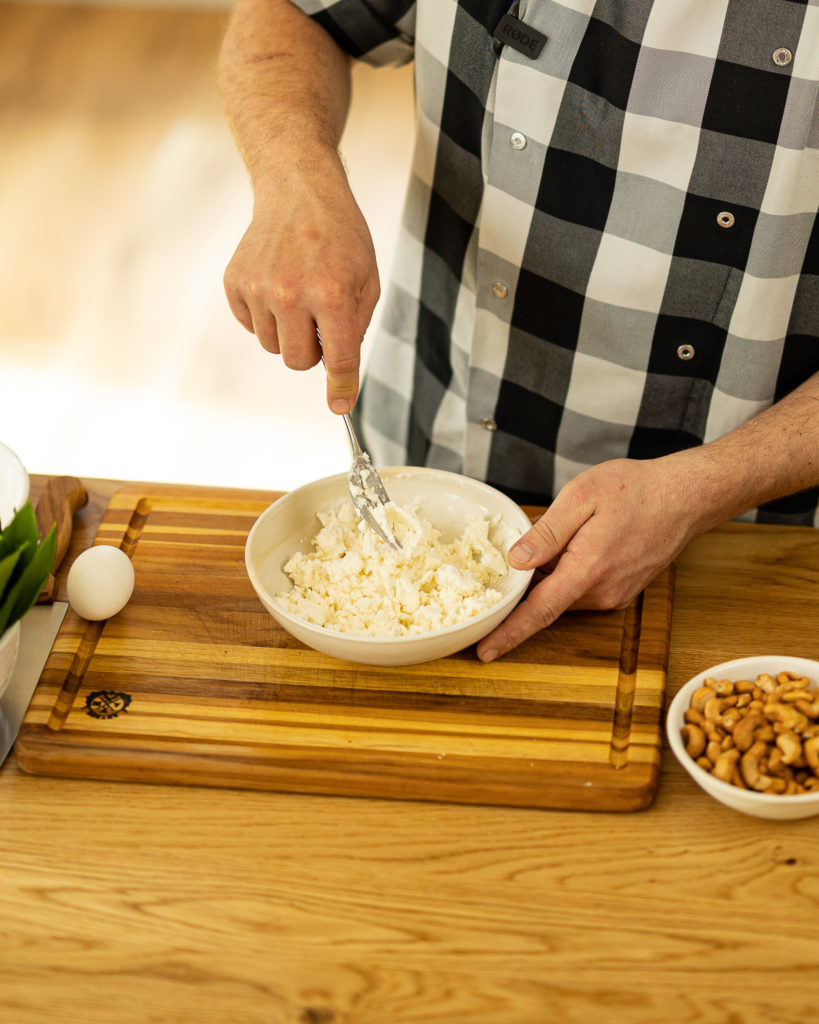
(772, 455)
(306, 261)
(285, 87)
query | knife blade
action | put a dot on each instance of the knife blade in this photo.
(61, 498)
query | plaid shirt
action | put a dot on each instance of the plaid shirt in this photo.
(609, 250)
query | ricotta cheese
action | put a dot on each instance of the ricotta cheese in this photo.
(353, 582)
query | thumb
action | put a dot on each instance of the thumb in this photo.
(546, 539)
(342, 362)
(342, 392)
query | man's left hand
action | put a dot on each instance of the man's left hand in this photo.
(608, 533)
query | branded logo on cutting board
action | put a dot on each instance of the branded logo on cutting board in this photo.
(106, 703)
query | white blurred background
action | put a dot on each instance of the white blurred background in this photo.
(122, 197)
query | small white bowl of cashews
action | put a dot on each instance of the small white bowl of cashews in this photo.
(747, 732)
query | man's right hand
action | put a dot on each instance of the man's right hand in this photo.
(306, 261)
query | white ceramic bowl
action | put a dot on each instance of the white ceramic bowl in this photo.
(14, 485)
(290, 524)
(760, 805)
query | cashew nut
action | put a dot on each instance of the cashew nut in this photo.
(694, 739)
(765, 683)
(694, 717)
(792, 696)
(791, 747)
(712, 709)
(713, 750)
(744, 729)
(789, 717)
(749, 766)
(811, 752)
(756, 778)
(725, 765)
(730, 717)
(701, 696)
(809, 708)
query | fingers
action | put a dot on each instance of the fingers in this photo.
(547, 543)
(284, 321)
(239, 307)
(545, 603)
(283, 309)
(262, 324)
(245, 304)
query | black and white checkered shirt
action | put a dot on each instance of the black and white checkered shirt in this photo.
(608, 250)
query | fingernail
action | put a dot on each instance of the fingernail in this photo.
(340, 405)
(489, 655)
(520, 552)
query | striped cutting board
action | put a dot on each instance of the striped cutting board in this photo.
(193, 682)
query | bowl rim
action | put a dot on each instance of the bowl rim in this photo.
(14, 471)
(406, 640)
(699, 773)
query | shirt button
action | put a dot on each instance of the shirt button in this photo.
(685, 352)
(726, 219)
(489, 424)
(782, 56)
(517, 140)
(499, 289)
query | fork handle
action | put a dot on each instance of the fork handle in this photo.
(356, 447)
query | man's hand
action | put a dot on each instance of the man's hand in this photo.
(307, 261)
(609, 532)
(614, 527)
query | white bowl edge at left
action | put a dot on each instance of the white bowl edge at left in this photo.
(14, 485)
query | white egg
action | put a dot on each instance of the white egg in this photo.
(100, 582)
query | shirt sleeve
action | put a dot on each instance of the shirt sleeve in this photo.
(377, 32)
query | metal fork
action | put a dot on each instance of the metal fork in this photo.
(365, 485)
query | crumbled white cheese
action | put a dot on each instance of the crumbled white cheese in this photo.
(353, 582)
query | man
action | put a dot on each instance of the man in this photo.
(606, 291)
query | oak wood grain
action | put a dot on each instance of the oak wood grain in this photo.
(194, 682)
(132, 903)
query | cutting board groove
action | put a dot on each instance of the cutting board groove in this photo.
(193, 682)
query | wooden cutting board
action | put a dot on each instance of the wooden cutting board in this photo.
(193, 682)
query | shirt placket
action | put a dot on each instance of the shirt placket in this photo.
(515, 142)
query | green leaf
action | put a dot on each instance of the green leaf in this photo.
(27, 589)
(7, 566)
(21, 530)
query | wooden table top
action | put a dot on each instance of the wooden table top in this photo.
(126, 902)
